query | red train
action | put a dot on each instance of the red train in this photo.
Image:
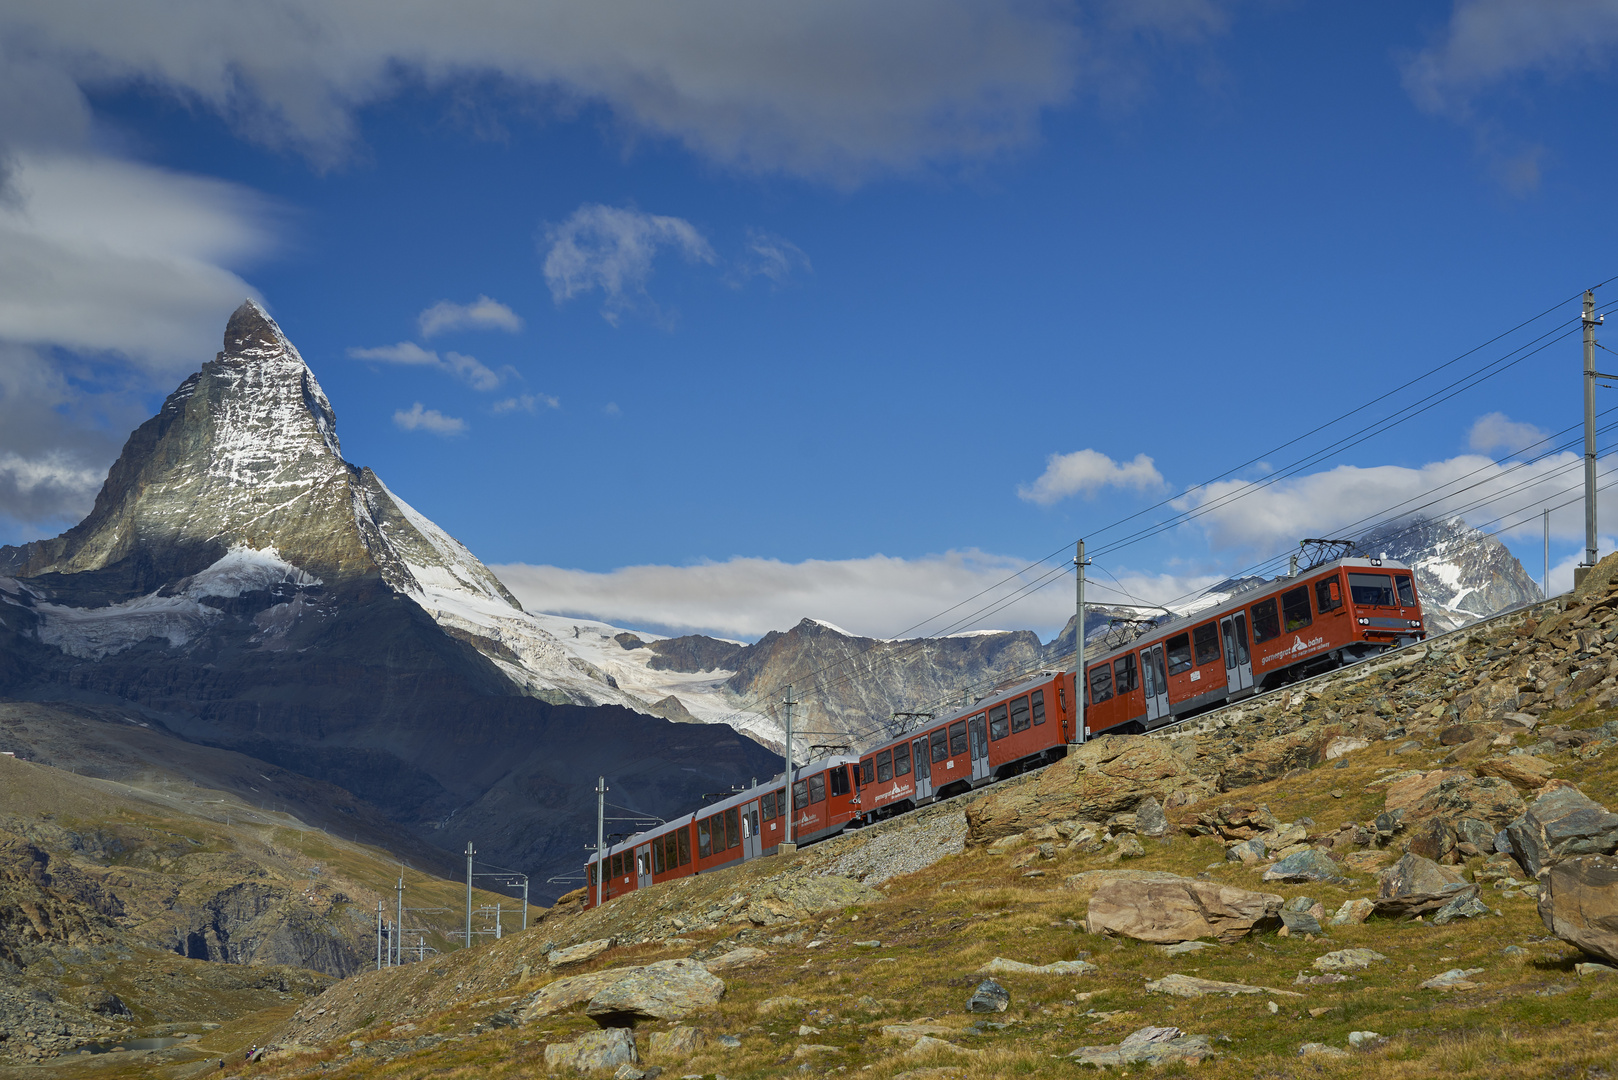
(1282, 631)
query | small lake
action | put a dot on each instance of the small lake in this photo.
(126, 1044)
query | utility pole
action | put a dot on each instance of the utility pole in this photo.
(601, 835)
(1547, 578)
(1079, 674)
(469, 854)
(379, 935)
(1591, 320)
(788, 846)
(398, 946)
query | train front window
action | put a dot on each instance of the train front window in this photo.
(1295, 608)
(1100, 684)
(1179, 651)
(1205, 639)
(1407, 591)
(940, 745)
(1123, 674)
(1328, 594)
(1019, 713)
(839, 780)
(957, 738)
(884, 767)
(901, 760)
(1371, 590)
(1037, 698)
(999, 724)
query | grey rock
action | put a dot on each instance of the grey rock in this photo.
(1453, 979)
(1562, 823)
(1357, 1039)
(1465, 905)
(1248, 851)
(666, 990)
(1502, 842)
(1299, 903)
(1150, 820)
(1301, 922)
(1306, 865)
(593, 1050)
(1348, 960)
(989, 997)
(1149, 1045)
(1578, 902)
(1315, 1049)
(1414, 886)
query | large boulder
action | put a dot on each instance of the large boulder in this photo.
(1562, 823)
(1454, 794)
(1524, 771)
(666, 990)
(1235, 823)
(1578, 901)
(1414, 885)
(593, 1050)
(1108, 775)
(1165, 912)
(565, 993)
(1310, 864)
(1274, 757)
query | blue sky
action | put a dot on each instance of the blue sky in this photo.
(722, 315)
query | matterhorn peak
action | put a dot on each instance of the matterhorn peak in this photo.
(252, 333)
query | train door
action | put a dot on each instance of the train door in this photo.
(752, 845)
(923, 769)
(1238, 659)
(643, 866)
(978, 731)
(1154, 680)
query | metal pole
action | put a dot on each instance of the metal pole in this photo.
(1589, 427)
(469, 854)
(398, 946)
(601, 835)
(1547, 578)
(791, 808)
(1079, 674)
(379, 935)
(525, 902)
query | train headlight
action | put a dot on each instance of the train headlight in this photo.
(1414, 623)
(1365, 622)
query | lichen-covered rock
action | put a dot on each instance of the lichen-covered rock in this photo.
(1524, 771)
(1415, 885)
(1348, 960)
(1149, 1046)
(564, 993)
(1164, 912)
(796, 897)
(578, 954)
(1309, 864)
(678, 1041)
(1578, 902)
(666, 990)
(989, 997)
(593, 1050)
(1562, 823)
(1270, 758)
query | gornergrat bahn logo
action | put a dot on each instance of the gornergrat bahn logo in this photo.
(1297, 648)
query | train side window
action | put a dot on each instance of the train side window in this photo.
(617, 864)
(1371, 590)
(1328, 594)
(684, 836)
(800, 795)
(901, 760)
(1407, 592)
(1019, 713)
(923, 769)
(817, 789)
(1205, 643)
(839, 780)
(1295, 612)
(1179, 652)
(733, 829)
(940, 745)
(719, 841)
(1100, 683)
(999, 725)
(1038, 700)
(704, 838)
(592, 873)
(884, 767)
(769, 805)
(671, 849)
(1124, 676)
(1266, 622)
(867, 771)
(657, 857)
(957, 738)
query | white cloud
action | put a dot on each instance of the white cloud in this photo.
(1087, 472)
(1497, 431)
(878, 596)
(480, 314)
(466, 368)
(612, 249)
(769, 256)
(611, 409)
(526, 403)
(419, 419)
(1266, 518)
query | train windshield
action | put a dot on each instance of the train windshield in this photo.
(1407, 592)
(1371, 590)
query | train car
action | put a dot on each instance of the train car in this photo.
(1285, 630)
(1015, 728)
(743, 826)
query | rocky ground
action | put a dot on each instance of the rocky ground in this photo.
(1401, 870)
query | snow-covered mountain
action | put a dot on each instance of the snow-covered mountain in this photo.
(1463, 574)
